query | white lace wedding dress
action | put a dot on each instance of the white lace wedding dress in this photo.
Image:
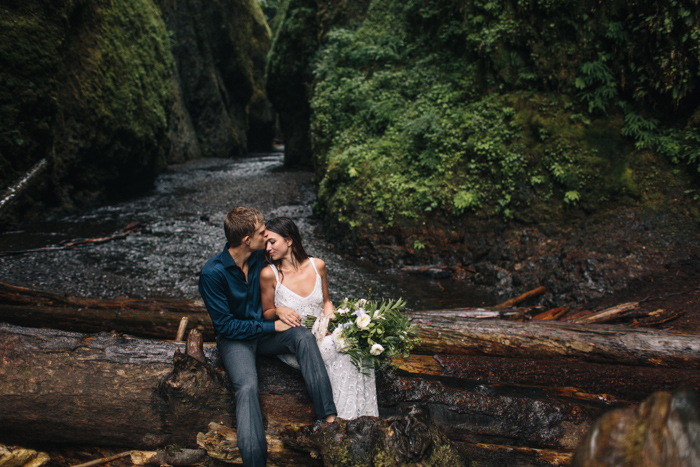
(354, 393)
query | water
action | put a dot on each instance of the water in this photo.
(182, 221)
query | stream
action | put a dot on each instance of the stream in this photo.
(182, 219)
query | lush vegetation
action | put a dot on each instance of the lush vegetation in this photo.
(521, 109)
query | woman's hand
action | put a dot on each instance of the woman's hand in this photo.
(281, 327)
(288, 316)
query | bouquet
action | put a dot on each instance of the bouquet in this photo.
(371, 333)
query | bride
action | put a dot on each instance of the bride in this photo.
(295, 286)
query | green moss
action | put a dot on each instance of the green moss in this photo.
(86, 85)
(31, 35)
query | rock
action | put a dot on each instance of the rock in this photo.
(663, 431)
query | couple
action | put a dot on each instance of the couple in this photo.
(258, 308)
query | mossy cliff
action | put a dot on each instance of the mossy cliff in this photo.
(219, 50)
(512, 140)
(109, 93)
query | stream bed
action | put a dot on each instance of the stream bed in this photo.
(182, 226)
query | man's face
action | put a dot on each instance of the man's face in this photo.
(257, 240)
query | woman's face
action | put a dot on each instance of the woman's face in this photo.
(277, 246)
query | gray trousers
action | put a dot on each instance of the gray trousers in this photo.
(239, 358)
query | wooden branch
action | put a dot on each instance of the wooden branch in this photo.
(129, 229)
(182, 328)
(104, 460)
(14, 190)
(607, 314)
(526, 296)
(553, 314)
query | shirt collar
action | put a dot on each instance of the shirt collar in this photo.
(225, 257)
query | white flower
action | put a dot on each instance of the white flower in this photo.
(361, 302)
(376, 349)
(340, 342)
(363, 321)
(343, 310)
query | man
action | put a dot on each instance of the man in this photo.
(230, 287)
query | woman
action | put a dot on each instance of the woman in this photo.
(295, 286)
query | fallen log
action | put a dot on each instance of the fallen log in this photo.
(82, 242)
(458, 331)
(151, 318)
(616, 384)
(447, 332)
(114, 390)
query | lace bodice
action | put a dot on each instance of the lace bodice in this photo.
(305, 306)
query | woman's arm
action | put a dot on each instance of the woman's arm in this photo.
(328, 307)
(268, 281)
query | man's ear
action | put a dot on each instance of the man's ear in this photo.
(246, 240)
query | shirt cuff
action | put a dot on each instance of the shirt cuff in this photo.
(268, 327)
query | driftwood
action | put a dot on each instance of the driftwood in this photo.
(69, 245)
(114, 390)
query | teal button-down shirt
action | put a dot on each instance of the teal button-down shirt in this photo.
(232, 302)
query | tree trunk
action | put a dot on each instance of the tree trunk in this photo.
(120, 391)
(442, 331)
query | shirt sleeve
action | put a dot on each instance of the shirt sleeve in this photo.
(211, 288)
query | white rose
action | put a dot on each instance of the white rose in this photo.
(340, 343)
(363, 321)
(376, 349)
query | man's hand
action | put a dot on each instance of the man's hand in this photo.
(288, 316)
(281, 327)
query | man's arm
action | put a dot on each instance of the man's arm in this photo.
(211, 288)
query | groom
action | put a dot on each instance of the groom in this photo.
(230, 287)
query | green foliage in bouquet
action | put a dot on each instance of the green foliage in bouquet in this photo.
(372, 333)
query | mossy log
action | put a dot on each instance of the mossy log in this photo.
(116, 390)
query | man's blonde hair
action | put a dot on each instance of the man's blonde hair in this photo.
(241, 222)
